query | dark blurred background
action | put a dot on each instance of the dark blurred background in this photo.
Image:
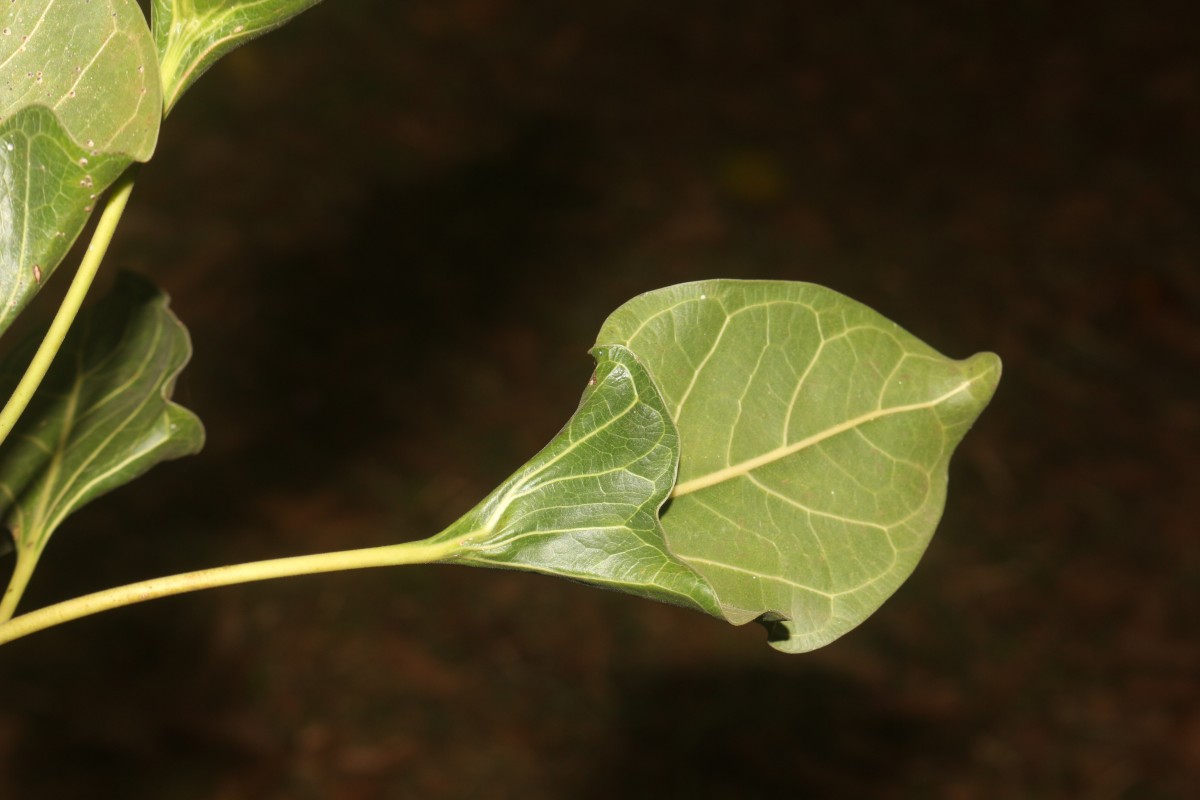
(393, 229)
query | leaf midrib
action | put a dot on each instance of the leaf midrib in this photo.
(742, 468)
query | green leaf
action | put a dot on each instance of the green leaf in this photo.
(586, 506)
(79, 100)
(192, 34)
(814, 437)
(103, 415)
(91, 63)
(48, 187)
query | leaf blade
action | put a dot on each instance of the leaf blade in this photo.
(104, 415)
(93, 64)
(80, 100)
(815, 437)
(48, 188)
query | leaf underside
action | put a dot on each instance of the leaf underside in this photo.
(799, 439)
(91, 63)
(103, 415)
(815, 437)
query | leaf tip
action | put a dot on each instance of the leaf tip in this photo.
(983, 370)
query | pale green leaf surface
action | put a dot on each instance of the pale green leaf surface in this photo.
(48, 187)
(191, 35)
(103, 415)
(586, 507)
(92, 63)
(814, 437)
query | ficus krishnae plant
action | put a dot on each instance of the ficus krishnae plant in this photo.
(753, 450)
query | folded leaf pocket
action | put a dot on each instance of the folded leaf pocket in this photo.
(586, 507)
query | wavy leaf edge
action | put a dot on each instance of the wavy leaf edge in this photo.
(170, 431)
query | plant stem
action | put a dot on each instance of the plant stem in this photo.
(26, 560)
(425, 551)
(36, 371)
(106, 226)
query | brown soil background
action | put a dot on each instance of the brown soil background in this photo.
(393, 229)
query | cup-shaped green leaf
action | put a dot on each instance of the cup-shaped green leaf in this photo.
(814, 438)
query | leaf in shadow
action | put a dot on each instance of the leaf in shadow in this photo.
(102, 417)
